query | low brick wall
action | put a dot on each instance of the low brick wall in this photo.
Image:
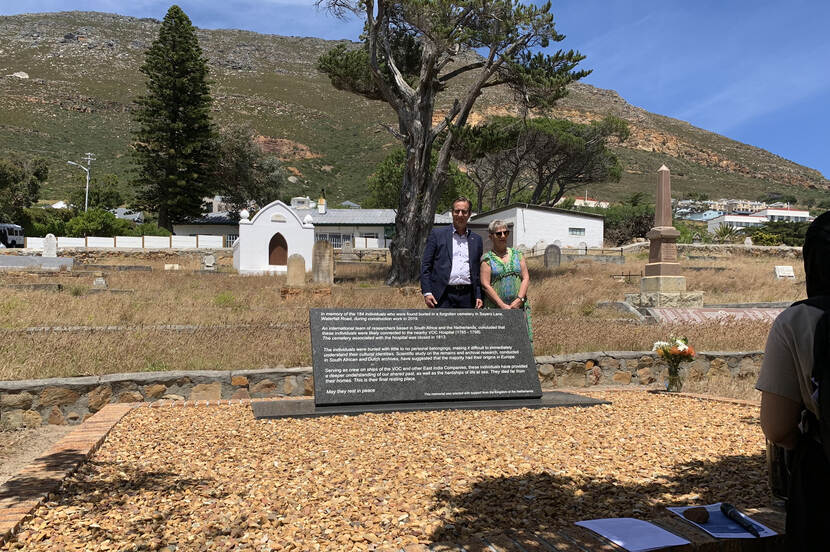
(31, 403)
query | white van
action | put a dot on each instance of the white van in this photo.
(11, 235)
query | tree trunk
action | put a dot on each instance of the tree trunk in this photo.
(419, 196)
(164, 218)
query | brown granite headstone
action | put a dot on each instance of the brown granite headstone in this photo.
(322, 263)
(296, 271)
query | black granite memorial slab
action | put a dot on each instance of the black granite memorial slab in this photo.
(379, 356)
(305, 408)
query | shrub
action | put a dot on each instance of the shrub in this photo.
(97, 222)
(790, 233)
(39, 221)
(759, 237)
(625, 222)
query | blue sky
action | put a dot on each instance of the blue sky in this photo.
(753, 70)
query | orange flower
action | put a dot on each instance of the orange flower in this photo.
(690, 351)
(674, 351)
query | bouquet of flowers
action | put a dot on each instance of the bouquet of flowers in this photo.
(674, 351)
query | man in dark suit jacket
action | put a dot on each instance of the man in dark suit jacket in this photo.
(452, 262)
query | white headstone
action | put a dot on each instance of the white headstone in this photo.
(99, 283)
(583, 248)
(747, 241)
(50, 246)
(171, 267)
(785, 271)
(558, 243)
(209, 262)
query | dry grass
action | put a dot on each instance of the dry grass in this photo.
(244, 322)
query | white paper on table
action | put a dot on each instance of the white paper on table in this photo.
(633, 534)
(720, 526)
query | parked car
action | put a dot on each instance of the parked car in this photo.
(11, 235)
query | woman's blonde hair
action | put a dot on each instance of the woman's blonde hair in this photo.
(493, 226)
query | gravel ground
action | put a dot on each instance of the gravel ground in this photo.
(216, 479)
(18, 447)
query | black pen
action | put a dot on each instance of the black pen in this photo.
(735, 515)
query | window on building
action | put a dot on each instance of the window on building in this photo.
(576, 231)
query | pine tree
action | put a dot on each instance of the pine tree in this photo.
(174, 143)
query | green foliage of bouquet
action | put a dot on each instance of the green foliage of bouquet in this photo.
(674, 351)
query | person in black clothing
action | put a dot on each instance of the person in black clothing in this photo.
(795, 395)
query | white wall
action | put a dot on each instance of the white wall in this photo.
(133, 242)
(251, 251)
(531, 226)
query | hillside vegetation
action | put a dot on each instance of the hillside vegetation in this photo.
(82, 70)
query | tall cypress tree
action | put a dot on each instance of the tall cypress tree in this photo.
(174, 145)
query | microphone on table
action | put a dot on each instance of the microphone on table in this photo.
(735, 515)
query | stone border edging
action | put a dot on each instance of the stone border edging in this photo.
(25, 491)
(60, 401)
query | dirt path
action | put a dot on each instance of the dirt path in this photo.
(20, 446)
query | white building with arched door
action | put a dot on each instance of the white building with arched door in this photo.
(267, 240)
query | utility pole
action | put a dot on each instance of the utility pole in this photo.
(90, 157)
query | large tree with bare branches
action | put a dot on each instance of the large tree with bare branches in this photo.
(412, 50)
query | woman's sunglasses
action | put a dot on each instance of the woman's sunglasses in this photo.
(502, 233)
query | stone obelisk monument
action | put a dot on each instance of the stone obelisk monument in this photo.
(662, 273)
(663, 284)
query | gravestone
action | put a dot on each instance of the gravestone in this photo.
(379, 356)
(553, 256)
(296, 271)
(784, 272)
(583, 248)
(557, 243)
(747, 241)
(539, 246)
(50, 246)
(322, 263)
(347, 251)
(99, 282)
(209, 262)
(172, 266)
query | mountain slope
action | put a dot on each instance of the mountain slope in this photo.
(83, 75)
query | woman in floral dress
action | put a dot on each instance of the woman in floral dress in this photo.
(504, 276)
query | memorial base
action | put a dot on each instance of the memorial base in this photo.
(660, 299)
(305, 408)
(663, 284)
